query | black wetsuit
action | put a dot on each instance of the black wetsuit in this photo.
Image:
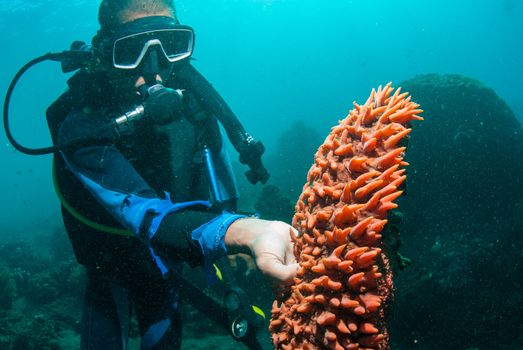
(151, 181)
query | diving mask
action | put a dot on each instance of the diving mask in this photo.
(129, 43)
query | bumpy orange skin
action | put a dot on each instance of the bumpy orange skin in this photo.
(344, 280)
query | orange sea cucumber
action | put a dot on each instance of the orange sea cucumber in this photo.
(344, 280)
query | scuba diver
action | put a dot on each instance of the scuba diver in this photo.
(154, 189)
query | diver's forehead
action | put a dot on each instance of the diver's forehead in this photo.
(129, 16)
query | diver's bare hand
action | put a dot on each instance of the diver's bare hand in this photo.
(269, 242)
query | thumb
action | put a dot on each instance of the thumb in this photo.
(285, 278)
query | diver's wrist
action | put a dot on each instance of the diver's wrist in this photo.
(240, 236)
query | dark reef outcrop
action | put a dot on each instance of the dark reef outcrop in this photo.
(467, 156)
(462, 220)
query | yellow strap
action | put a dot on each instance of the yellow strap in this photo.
(258, 310)
(218, 272)
(83, 219)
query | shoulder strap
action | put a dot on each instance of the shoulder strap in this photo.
(63, 105)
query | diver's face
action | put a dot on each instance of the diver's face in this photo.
(128, 82)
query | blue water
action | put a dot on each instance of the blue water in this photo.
(273, 61)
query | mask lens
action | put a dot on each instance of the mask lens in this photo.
(130, 50)
(127, 51)
(175, 44)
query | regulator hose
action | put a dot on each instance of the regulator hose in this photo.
(250, 151)
(7, 101)
(60, 57)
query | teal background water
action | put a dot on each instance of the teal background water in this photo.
(278, 62)
(273, 61)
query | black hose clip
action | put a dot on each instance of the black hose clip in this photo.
(79, 56)
(250, 154)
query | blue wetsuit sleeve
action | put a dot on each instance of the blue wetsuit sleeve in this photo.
(114, 182)
(108, 176)
(211, 238)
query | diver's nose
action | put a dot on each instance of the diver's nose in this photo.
(141, 82)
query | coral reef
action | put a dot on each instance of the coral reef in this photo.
(7, 288)
(48, 296)
(24, 256)
(40, 334)
(344, 279)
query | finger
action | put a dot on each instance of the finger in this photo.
(290, 272)
(289, 254)
(232, 261)
(278, 272)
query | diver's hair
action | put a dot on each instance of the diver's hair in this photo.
(109, 14)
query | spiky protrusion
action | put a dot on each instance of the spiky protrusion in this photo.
(344, 279)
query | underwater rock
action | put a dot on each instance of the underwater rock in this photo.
(461, 224)
(344, 280)
(468, 156)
